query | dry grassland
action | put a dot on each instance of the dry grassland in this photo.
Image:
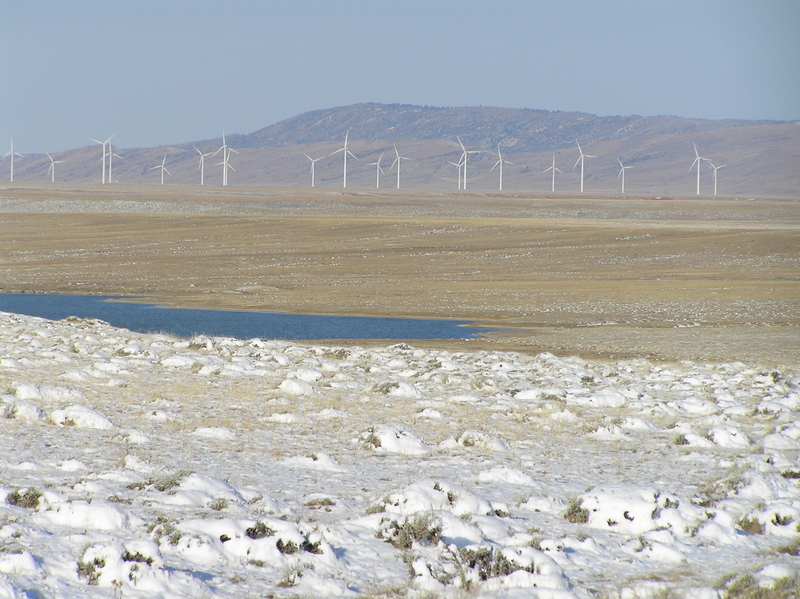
(695, 278)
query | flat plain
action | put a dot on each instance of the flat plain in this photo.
(696, 278)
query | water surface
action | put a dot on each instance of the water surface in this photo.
(151, 318)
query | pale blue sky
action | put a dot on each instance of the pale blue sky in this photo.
(162, 72)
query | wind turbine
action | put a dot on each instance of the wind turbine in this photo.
(111, 155)
(345, 152)
(12, 153)
(554, 169)
(226, 155)
(103, 143)
(716, 168)
(52, 169)
(202, 165)
(313, 162)
(500, 163)
(458, 165)
(464, 159)
(378, 170)
(397, 162)
(697, 160)
(622, 173)
(163, 169)
(581, 159)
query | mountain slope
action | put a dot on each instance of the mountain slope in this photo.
(761, 158)
(518, 130)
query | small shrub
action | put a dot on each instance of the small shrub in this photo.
(790, 549)
(137, 557)
(322, 502)
(89, 570)
(780, 520)
(288, 547)
(219, 504)
(309, 547)
(421, 529)
(259, 531)
(29, 499)
(488, 562)
(170, 482)
(751, 525)
(681, 440)
(575, 513)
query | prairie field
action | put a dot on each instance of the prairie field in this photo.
(669, 278)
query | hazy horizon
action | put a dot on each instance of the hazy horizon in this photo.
(158, 74)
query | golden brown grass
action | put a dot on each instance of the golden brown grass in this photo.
(593, 277)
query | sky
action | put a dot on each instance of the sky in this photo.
(168, 72)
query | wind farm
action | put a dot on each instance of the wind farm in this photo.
(450, 157)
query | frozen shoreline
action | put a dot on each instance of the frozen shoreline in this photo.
(214, 467)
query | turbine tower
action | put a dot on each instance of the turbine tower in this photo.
(313, 162)
(345, 152)
(378, 170)
(622, 173)
(202, 165)
(163, 169)
(226, 156)
(500, 163)
(12, 153)
(397, 162)
(716, 168)
(581, 159)
(463, 160)
(554, 169)
(104, 144)
(458, 165)
(52, 168)
(111, 154)
(697, 160)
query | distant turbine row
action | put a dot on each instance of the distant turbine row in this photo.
(108, 155)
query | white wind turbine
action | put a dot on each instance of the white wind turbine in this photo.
(622, 173)
(716, 168)
(104, 144)
(463, 160)
(111, 155)
(378, 170)
(397, 160)
(202, 166)
(555, 170)
(345, 152)
(581, 159)
(226, 156)
(163, 169)
(52, 168)
(458, 165)
(500, 163)
(11, 154)
(313, 162)
(697, 160)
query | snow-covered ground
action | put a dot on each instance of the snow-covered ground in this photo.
(148, 466)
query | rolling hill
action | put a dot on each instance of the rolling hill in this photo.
(761, 158)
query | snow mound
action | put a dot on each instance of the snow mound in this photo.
(296, 387)
(80, 417)
(214, 432)
(393, 438)
(20, 409)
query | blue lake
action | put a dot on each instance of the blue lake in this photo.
(150, 318)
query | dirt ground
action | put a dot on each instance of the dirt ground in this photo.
(703, 279)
